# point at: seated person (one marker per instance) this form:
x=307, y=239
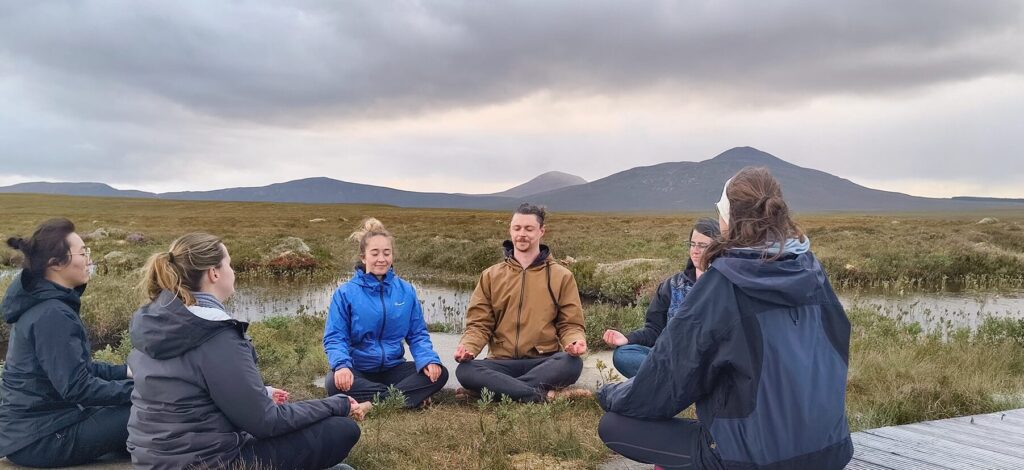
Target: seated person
x=58, y=408
x=525, y=309
x=199, y=400
x=369, y=317
x=761, y=346
x=632, y=348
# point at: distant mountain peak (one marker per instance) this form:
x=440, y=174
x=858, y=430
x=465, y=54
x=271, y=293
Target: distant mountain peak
x=545, y=182
x=748, y=156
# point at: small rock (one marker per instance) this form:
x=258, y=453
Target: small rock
x=895, y=222
x=988, y=221
x=288, y=246
x=135, y=237
x=98, y=234
x=120, y=259
x=317, y=220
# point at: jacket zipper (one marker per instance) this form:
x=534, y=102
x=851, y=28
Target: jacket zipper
x=519, y=314
x=383, y=323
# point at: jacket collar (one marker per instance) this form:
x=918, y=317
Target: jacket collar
x=541, y=259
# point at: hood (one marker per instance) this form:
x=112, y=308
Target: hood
x=26, y=292
x=509, y=248
x=788, y=281
x=369, y=281
x=165, y=328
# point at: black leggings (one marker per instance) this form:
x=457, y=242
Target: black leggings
x=103, y=432
x=320, y=445
x=668, y=443
x=525, y=380
x=415, y=385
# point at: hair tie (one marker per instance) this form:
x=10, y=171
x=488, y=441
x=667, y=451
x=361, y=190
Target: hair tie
x=170, y=256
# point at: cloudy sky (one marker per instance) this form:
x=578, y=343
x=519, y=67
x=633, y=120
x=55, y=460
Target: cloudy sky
x=919, y=96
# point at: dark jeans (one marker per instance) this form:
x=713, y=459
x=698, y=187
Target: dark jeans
x=669, y=443
x=525, y=380
x=414, y=384
x=321, y=445
x=103, y=432
x=627, y=359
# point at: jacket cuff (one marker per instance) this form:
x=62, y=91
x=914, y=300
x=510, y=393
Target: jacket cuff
x=343, y=407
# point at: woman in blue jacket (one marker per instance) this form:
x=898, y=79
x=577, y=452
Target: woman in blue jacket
x=761, y=346
x=369, y=317
x=57, y=407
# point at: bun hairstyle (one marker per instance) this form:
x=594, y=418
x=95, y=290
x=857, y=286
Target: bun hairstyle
x=181, y=268
x=370, y=228
x=47, y=247
x=758, y=216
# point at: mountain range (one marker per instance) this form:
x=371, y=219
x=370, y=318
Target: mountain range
x=674, y=186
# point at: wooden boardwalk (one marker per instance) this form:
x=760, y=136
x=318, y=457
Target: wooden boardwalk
x=994, y=441
x=990, y=441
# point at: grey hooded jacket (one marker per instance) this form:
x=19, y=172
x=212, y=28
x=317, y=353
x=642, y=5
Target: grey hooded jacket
x=198, y=396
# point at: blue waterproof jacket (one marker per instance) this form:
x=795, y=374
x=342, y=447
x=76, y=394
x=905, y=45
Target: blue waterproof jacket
x=762, y=348
x=368, y=320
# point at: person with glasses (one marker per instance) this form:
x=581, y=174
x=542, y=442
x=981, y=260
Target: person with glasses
x=57, y=407
x=761, y=347
x=632, y=348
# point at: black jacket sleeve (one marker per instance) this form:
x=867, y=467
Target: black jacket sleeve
x=686, y=359
x=657, y=316
x=62, y=351
x=109, y=371
x=236, y=387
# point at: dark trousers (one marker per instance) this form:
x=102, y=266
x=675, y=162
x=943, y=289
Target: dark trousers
x=415, y=385
x=103, y=432
x=669, y=443
x=524, y=380
x=321, y=445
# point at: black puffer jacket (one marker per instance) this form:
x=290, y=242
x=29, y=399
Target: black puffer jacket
x=199, y=396
x=50, y=381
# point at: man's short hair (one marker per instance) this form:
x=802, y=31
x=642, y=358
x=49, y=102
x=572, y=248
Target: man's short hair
x=527, y=208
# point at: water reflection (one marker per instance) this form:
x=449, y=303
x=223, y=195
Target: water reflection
x=256, y=300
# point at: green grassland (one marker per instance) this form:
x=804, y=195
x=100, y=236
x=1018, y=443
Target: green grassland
x=898, y=373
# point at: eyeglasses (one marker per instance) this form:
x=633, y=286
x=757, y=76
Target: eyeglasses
x=700, y=246
x=86, y=252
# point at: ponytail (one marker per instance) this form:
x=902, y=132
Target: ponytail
x=370, y=228
x=181, y=268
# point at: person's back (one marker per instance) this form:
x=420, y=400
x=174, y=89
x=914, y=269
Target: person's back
x=761, y=346
x=783, y=342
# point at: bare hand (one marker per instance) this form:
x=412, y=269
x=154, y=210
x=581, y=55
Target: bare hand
x=343, y=379
x=462, y=355
x=358, y=411
x=614, y=338
x=577, y=348
x=279, y=396
x=433, y=372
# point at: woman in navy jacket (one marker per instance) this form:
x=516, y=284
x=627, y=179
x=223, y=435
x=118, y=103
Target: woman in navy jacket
x=57, y=407
x=369, y=318
x=761, y=345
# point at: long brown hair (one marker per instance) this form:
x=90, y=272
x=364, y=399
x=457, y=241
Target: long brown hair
x=758, y=216
x=181, y=268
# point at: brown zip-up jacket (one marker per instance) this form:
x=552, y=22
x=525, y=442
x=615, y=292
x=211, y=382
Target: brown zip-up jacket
x=513, y=310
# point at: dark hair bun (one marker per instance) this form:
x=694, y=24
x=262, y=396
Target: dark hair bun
x=16, y=242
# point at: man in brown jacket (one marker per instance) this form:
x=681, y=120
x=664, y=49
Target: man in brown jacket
x=526, y=310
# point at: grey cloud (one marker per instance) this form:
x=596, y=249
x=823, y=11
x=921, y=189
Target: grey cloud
x=291, y=62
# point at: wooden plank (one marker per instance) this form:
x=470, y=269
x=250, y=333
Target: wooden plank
x=862, y=465
x=942, y=445
x=979, y=432
x=994, y=425
x=889, y=460
x=922, y=453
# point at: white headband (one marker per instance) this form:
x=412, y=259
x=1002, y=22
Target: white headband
x=723, y=204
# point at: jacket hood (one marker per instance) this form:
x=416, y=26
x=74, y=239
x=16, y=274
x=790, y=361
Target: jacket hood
x=789, y=281
x=510, y=248
x=26, y=292
x=165, y=328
